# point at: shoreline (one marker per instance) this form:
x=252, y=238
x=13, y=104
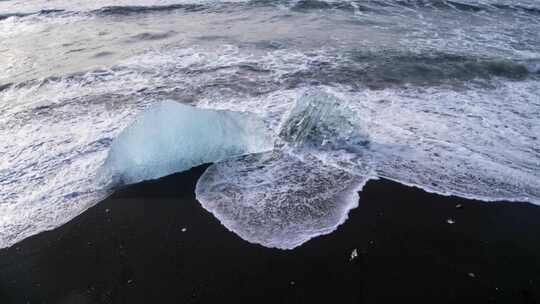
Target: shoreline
x=153, y=242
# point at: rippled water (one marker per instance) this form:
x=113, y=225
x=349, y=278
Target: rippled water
x=448, y=92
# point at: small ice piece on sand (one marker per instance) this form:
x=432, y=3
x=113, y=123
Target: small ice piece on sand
x=184, y=229
x=472, y=275
x=354, y=255
x=278, y=199
x=459, y=206
x=450, y=221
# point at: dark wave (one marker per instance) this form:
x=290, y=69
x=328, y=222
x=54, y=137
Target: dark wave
x=39, y=13
x=357, y=69
x=449, y=4
x=435, y=4
x=8, y=15
x=5, y=86
x=151, y=36
x=385, y=70
x=116, y=10
x=130, y=10
x=518, y=8
x=320, y=5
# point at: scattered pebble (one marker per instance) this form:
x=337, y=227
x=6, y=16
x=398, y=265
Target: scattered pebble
x=354, y=255
x=130, y=281
x=459, y=206
x=184, y=229
x=107, y=210
x=450, y=221
x=472, y=275
x=292, y=283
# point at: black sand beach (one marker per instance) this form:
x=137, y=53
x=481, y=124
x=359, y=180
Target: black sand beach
x=153, y=243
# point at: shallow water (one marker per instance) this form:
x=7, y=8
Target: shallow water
x=447, y=92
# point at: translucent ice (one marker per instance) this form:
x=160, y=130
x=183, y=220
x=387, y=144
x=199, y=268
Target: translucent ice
x=327, y=128
x=322, y=121
x=277, y=199
x=172, y=137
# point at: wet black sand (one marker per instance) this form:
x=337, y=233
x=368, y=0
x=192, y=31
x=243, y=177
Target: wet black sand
x=131, y=249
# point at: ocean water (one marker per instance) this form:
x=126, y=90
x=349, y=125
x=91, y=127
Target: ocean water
x=442, y=95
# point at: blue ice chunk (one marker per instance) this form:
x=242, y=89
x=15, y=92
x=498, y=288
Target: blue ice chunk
x=323, y=122
x=172, y=137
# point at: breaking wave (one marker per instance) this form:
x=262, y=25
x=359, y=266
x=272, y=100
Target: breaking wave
x=355, y=68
